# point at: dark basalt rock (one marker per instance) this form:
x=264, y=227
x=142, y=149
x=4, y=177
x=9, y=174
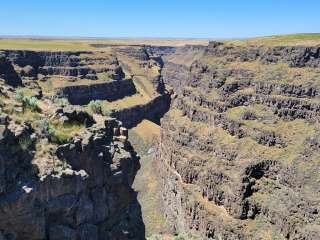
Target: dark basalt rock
x=83, y=94
x=295, y=56
x=228, y=169
x=73, y=115
x=153, y=111
x=23, y=58
x=90, y=198
x=8, y=73
x=268, y=138
x=298, y=56
x=62, y=64
x=67, y=71
x=139, y=53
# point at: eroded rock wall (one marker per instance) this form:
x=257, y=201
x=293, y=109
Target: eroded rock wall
x=88, y=197
x=153, y=111
x=111, y=91
x=236, y=145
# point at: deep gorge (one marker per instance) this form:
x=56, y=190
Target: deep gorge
x=237, y=156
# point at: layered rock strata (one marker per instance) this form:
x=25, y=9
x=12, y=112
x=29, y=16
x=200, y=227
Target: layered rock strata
x=153, y=111
x=110, y=91
x=239, y=149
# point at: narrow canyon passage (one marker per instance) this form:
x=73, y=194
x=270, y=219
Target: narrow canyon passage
x=144, y=139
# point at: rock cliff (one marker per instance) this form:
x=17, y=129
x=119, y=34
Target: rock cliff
x=153, y=111
x=239, y=149
x=64, y=174
x=67, y=170
x=85, y=194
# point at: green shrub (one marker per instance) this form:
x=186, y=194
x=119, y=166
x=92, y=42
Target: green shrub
x=52, y=133
x=60, y=137
x=31, y=103
x=27, y=101
x=61, y=102
x=20, y=95
x=95, y=106
x=45, y=126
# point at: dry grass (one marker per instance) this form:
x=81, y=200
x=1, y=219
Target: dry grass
x=294, y=133
x=56, y=81
x=43, y=156
x=260, y=228
x=148, y=131
x=146, y=183
x=45, y=45
x=279, y=72
x=142, y=74
x=282, y=40
x=85, y=44
x=126, y=102
x=144, y=86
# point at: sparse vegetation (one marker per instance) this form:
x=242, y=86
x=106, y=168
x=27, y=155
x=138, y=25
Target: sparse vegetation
x=61, y=101
x=59, y=132
x=27, y=101
x=224, y=144
x=306, y=39
x=81, y=45
x=95, y=106
x=100, y=107
x=31, y=102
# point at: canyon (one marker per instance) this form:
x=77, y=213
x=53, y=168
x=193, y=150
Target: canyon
x=217, y=141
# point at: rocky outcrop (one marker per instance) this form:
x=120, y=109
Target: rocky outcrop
x=8, y=73
x=89, y=196
x=36, y=59
x=153, y=111
x=72, y=115
x=67, y=71
x=83, y=94
x=138, y=52
x=73, y=64
x=294, y=56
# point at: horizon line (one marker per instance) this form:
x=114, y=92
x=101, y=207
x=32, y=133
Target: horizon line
x=49, y=37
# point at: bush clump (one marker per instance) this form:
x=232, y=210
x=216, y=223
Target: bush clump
x=95, y=106
x=52, y=133
x=61, y=102
x=27, y=101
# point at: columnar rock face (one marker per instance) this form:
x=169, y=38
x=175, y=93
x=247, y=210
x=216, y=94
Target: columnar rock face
x=111, y=91
x=153, y=111
x=65, y=63
x=8, y=73
x=57, y=70
x=239, y=149
x=75, y=188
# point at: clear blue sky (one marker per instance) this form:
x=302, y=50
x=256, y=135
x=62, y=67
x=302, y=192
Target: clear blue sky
x=158, y=18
